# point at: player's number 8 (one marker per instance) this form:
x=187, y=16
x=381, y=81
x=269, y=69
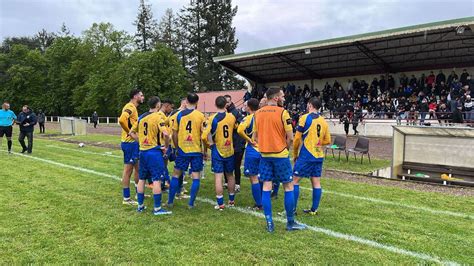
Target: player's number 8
x=226, y=131
x=145, y=125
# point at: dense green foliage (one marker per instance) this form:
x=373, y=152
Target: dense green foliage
x=77, y=75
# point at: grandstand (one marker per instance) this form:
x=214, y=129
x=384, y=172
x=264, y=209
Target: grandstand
x=383, y=73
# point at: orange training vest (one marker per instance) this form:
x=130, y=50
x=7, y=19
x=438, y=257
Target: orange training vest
x=270, y=129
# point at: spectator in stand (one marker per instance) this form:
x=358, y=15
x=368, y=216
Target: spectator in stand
x=440, y=77
x=463, y=78
x=469, y=109
x=95, y=119
x=443, y=114
x=41, y=120
x=424, y=109
x=457, y=115
x=432, y=109
x=431, y=79
x=453, y=77
x=27, y=121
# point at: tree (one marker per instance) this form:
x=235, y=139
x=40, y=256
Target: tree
x=167, y=30
x=145, y=37
x=45, y=39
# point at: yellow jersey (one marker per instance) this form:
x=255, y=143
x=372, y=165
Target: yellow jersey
x=271, y=125
x=312, y=133
x=170, y=122
x=127, y=119
x=246, y=130
x=221, y=127
x=150, y=127
x=189, y=125
x=165, y=119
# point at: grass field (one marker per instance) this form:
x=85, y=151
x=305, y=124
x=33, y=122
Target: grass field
x=63, y=204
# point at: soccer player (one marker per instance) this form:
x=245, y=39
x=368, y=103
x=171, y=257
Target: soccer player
x=246, y=130
x=219, y=136
x=129, y=146
x=7, y=118
x=274, y=133
x=312, y=134
x=165, y=110
x=187, y=132
x=171, y=153
x=147, y=131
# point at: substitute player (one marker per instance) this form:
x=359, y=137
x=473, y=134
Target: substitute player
x=129, y=146
x=246, y=130
x=7, y=118
x=220, y=139
x=147, y=132
x=187, y=132
x=274, y=134
x=312, y=133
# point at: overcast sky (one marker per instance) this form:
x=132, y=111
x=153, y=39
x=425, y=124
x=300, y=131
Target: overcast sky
x=260, y=23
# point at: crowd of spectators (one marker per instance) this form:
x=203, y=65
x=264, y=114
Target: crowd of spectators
x=414, y=99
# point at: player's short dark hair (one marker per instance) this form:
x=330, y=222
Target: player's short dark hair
x=315, y=102
x=272, y=92
x=221, y=102
x=192, y=98
x=153, y=101
x=134, y=92
x=167, y=101
x=228, y=96
x=253, y=104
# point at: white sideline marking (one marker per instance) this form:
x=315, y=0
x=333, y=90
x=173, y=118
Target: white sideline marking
x=397, y=204
x=328, y=232
x=87, y=152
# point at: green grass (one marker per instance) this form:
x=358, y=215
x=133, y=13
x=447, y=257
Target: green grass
x=61, y=215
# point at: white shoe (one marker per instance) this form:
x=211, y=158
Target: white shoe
x=237, y=188
x=129, y=202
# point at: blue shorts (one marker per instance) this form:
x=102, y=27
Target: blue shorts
x=183, y=161
x=152, y=165
x=171, y=154
x=223, y=165
x=131, y=152
x=275, y=169
x=304, y=168
x=251, y=165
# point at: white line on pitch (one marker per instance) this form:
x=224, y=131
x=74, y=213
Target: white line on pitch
x=87, y=152
x=325, y=231
x=397, y=204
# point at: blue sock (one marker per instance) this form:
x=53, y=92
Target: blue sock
x=231, y=197
x=194, y=191
x=167, y=175
x=126, y=192
x=173, y=189
x=317, y=193
x=290, y=206
x=140, y=198
x=296, y=191
x=261, y=187
x=267, y=206
x=157, y=199
x=257, y=194
x=220, y=200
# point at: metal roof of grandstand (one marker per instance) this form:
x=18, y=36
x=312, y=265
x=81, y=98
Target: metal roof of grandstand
x=443, y=44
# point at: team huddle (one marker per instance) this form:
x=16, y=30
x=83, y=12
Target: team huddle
x=184, y=136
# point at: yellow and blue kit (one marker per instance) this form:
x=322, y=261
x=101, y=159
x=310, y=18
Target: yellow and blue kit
x=246, y=130
x=312, y=133
x=189, y=126
x=221, y=127
x=150, y=127
x=129, y=146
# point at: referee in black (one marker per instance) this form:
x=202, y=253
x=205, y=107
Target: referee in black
x=7, y=118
